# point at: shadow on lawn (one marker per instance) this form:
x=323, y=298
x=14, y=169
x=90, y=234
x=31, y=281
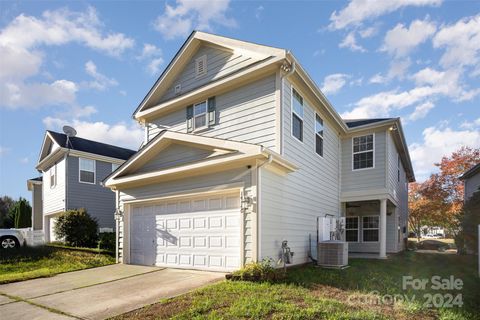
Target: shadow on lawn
x=385, y=277
x=26, y=254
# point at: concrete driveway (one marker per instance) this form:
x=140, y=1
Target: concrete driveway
x=97, y=293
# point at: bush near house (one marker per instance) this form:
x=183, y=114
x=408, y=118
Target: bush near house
x=107, y=241
x=77, y=228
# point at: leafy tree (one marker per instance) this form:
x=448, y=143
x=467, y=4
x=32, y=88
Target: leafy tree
x=77, y=228
x=23, y=214
x=6, y=203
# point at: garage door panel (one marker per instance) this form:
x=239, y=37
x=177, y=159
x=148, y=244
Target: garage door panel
x=202, y=233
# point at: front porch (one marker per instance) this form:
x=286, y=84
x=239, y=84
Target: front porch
x=372, y=228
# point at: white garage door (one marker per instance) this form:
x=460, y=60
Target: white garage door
x=196, y=233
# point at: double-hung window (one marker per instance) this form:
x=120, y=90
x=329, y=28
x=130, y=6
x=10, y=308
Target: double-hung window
x=363, y=152
x=318, y=135
x=370, y=228
x=351, y=229
x=86, y=170
x=53, y=176
x=297, y=115
x=200, y=115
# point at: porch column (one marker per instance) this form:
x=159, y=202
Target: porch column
x=383, y=229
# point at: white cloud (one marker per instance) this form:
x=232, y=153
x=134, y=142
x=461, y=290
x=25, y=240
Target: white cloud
x=20, y=48
x=471, y=124
x=3, y=151
x=24, y=160
x=431, y=84
x=180, y=19
x=334, y=82
x=461, y=42
x=400, y=40
x=100, y=82
x=258, y=12
x=22, y=95
x=437, y=142
x=421, y=111
x=351, y=42
x=358, y=11
x=120, y=134
x=154, y=55
x=377, y=78
x=368, y=32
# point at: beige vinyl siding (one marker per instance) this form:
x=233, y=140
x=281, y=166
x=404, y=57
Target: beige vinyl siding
x=219, y=64
x=472, y=185
x=54, y=198
x=371, y=178
x=245, y=114
x=174, y=155
x=37, y=207
x=290, y=204
x=215, y=182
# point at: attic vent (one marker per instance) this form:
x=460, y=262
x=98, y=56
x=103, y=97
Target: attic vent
x=178, y=89
x=201, y=66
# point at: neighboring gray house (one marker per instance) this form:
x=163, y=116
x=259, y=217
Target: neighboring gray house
x=243, y=151
x=71, y=175
x=471, y=181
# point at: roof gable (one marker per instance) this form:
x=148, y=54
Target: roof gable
x=227, y=56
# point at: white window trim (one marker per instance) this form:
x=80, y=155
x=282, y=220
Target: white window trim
x=54, y=170
x=316, y=134
x=94, y=171
x=292, y=111
x=195, y=129
x=378, y=229
x=205, y=71
x=358, y=229
x=373, y=150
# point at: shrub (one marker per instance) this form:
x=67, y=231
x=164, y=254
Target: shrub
x=107, y=241
x=258, y=271
x=468, y=237
x=77, y=228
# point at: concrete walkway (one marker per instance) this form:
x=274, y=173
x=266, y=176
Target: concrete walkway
x=97, y=293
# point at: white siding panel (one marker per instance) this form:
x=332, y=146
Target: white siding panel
x=54, y=197
x=290, y=204
x=245, y=114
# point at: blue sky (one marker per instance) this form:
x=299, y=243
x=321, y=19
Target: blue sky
x=89, y=64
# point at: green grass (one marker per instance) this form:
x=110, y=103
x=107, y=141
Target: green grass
x=37, y=262
x=314, y=293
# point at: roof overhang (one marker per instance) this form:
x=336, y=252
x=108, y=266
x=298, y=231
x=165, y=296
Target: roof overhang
x=264, y=55
x=471, y=172
x=235, y=154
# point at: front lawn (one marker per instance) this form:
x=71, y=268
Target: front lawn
x=37, y=262
x=314, y=293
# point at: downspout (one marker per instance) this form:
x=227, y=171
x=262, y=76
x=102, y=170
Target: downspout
x=66, y=180
x=259, y=201
x=117, y=225
x=285, y=76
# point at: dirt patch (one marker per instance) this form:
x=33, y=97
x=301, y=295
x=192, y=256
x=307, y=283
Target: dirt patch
x=360, y=301
x=164, y=310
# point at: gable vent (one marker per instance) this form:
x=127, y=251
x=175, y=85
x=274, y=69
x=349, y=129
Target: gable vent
x=201, y=66
x=178, y=89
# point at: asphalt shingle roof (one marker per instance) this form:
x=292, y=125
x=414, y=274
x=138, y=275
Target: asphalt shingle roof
x=85, y=145
x=362, y=122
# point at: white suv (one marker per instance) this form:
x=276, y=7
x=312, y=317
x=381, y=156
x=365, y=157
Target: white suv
x=11, y=238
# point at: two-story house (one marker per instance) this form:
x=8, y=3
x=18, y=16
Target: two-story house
x=243, y=151
x=471, y=181
x=72, y=170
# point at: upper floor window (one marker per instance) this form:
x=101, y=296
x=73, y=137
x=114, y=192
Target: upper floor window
x=318, y=135
x=363, y=152
x=115, y=166
x=201, y=66
x=297, y=115
x=86, y=170
x=201, y=115
x=351, y=229
x=53, y=176
x=370, y=228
